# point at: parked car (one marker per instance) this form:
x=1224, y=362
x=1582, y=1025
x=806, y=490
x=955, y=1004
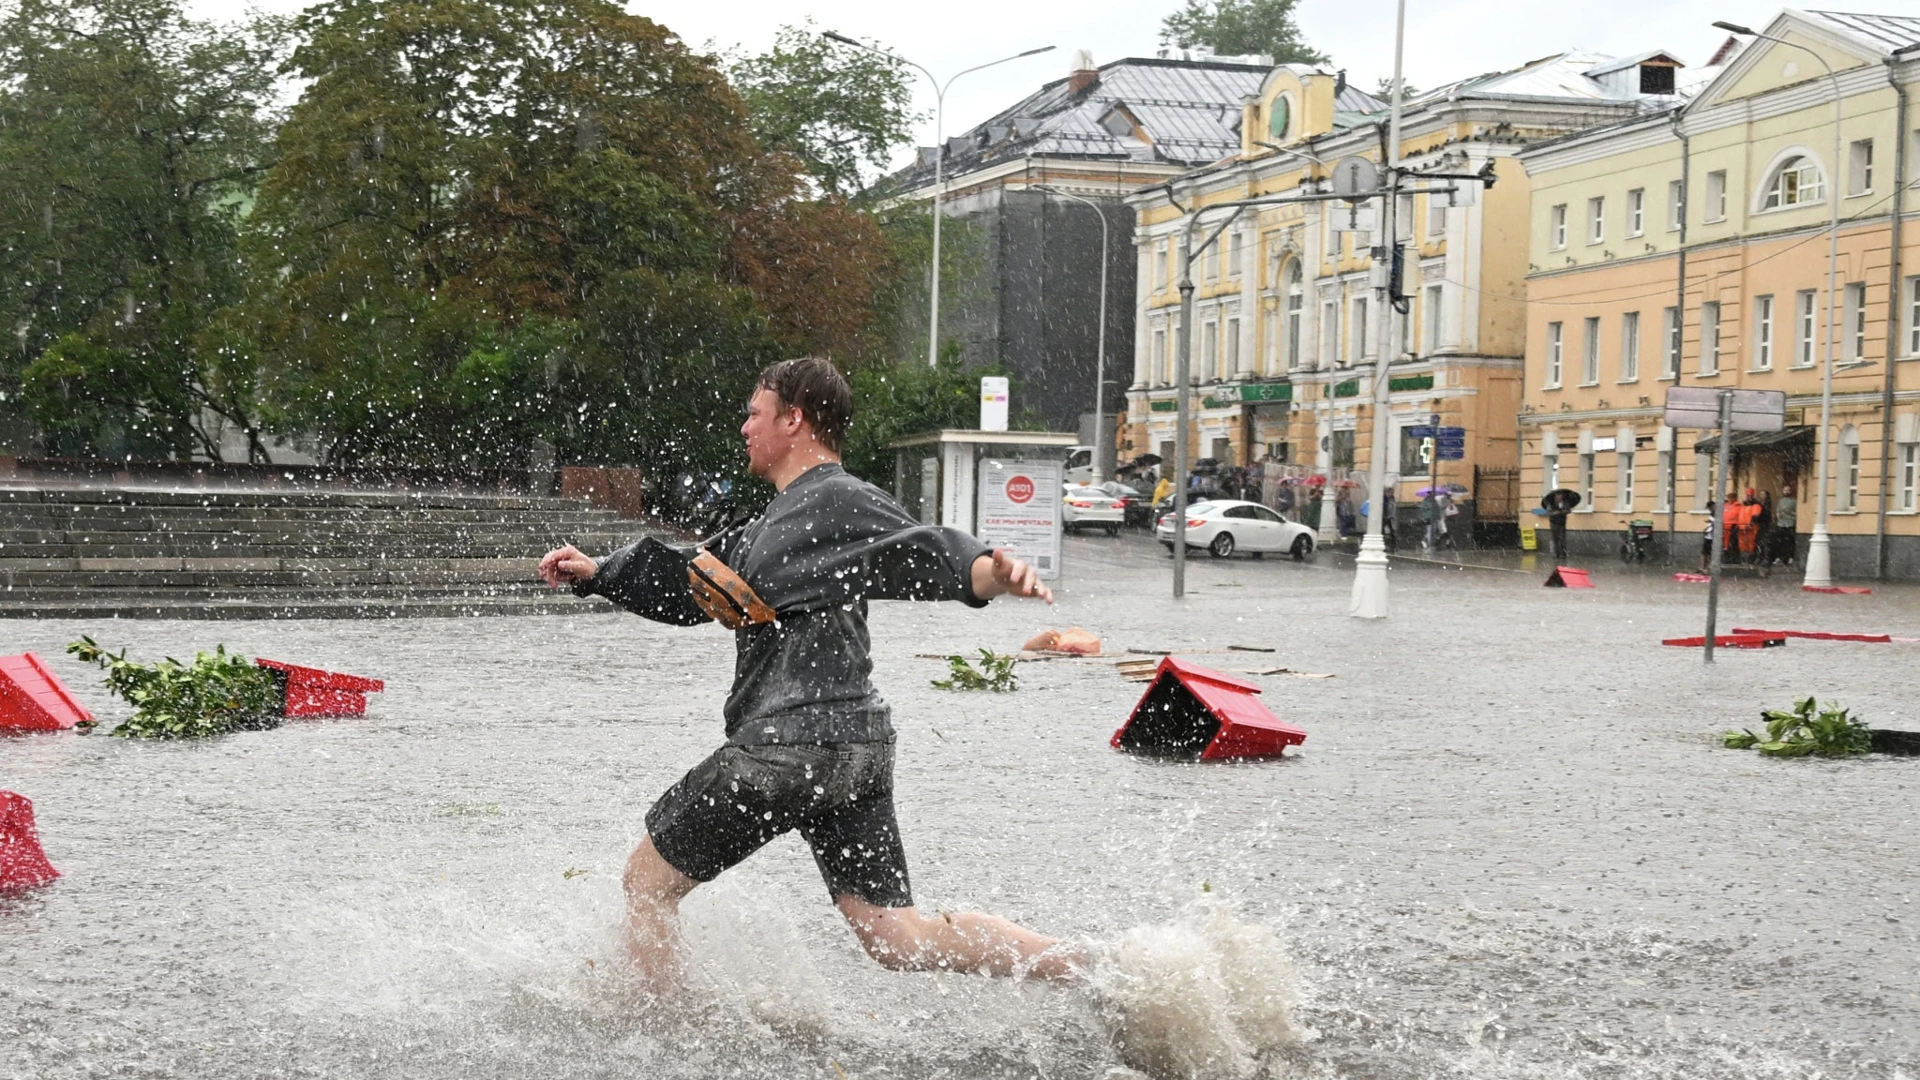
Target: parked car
x=1136, y=507
x=1224, y=526
x=1086, y=507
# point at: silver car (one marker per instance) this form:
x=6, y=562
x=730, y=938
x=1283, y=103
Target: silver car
x=1224, y=526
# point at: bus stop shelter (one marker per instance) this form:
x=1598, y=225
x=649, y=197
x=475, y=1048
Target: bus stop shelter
x=936, y=474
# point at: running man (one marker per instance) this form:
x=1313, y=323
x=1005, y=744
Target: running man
x=809, y=742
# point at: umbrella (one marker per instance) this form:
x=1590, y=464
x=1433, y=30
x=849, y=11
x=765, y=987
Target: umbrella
x=1147, y=459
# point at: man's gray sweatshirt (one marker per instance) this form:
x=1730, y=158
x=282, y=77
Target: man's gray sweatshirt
x=825, y=546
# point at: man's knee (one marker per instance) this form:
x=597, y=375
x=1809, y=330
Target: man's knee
x=651, y=879
x=896, y=938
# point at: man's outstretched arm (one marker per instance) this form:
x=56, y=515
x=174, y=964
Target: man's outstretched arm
x=998, y=573
x=647, y=578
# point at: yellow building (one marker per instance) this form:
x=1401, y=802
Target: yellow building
x=1284, y=337
x=1690, y=249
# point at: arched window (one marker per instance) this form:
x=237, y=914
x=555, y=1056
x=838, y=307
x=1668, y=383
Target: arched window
x=1796, y=182
x=1295, y=313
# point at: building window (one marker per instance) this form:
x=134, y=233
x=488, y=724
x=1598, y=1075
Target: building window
x=1855, y=324
x=1160, y=262
x=1860, y=168
x=1435, y=313
x=1710, y=338
x=1663, y=483
x=1796, y=183
x=1716, y=204
x=1553, y=355
x=1909, y=477
x=1329, y=333
x=1590, y=358
x=1158, y=372
x=1296, y=313
x=1236, y=254
x=1586, y=482
x=1596, y=220
x=1676, y=204
x=1557, y=226
x=1357, y=333
x=1670, y=332
x=1329, y=240
x=1913, y=316
x=1623, y=494
x=1436, y=218
x=1803, y=312
x=1630, y=347
x=1405, y=322
x=1233, y=348
x=1848, y=496
x=1763, y=333
x=1403, y=217
x=1209, y=351
x=1269, y=341
x=1637, y=212
x=1702, y=481
x=1549, y=473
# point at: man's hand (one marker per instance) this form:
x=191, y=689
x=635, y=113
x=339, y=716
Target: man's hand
x=567, y=566
x=1001, y=573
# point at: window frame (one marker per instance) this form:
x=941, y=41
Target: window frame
x=1556, y=343
x=1710, y=343
x=1788, y=186
x=1854, y=320
x=1676, y=205
x=1434, y=296
x=1806, y=321
x=1907, y=499
x=1716, y=200
x=1590, y=351
x=1596, y=220
x=1636, y=212
x=1672, y=345
x=1623, y=494
x=1294, y=306
x=1557, y=227
x=1859, y=168
x=1358, y=310
x=1763, y=333
x=1630, y=347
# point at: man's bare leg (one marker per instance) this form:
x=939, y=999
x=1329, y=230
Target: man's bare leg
x=903, y=939
x=654, y=891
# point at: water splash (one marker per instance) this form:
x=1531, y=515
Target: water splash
x=1203, y=994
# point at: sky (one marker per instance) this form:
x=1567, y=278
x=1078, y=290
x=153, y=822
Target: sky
x=1446, y=39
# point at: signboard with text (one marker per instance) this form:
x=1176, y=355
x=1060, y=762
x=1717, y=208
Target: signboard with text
x=1699, y=407
x=1020, y=510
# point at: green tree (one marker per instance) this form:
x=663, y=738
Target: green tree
x=129, y=139
x=495, y=221
x=841, y=111
x=1239, y=28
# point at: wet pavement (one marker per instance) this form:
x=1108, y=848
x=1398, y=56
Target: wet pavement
x=1511, y=846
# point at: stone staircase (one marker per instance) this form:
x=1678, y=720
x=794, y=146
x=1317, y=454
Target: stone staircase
x=123, y=552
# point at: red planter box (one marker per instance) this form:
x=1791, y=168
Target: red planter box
x=32, y=699
x=309, y=691
x=1200, y=714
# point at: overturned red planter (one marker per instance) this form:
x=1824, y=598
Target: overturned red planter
x=22, y=864
x=32, y=698
x=307, y=691
x=1200, y=714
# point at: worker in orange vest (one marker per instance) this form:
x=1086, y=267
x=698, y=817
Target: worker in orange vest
x=1732, y=517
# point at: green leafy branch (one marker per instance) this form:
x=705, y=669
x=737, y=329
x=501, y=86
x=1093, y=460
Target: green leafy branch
x=995, y=673
x=219, y=692
x=1827, y=731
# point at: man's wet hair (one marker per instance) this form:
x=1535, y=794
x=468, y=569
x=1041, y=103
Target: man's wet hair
x=814, y=386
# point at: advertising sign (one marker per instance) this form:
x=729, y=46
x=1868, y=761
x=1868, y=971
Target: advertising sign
x=993, y=403
x=1020, y=510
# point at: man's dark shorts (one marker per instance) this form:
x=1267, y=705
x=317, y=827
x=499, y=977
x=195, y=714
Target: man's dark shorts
x=839, y=795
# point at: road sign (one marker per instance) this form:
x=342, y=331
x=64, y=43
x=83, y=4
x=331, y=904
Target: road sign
x=1355, y=218
x=1451, y=443
x=1355, y=178
x=1753, y=410
x=1417, y=431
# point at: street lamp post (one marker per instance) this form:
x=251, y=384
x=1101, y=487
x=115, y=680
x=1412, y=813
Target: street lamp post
x=939, y=159
x=1820, y=544
x=1100, y=364
x=1369, y=600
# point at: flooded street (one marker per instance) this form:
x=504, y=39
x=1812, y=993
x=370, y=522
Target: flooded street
x=1510, y=847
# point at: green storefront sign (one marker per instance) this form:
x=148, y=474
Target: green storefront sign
x=1411, y=382
x=1266, y=391
x=1350, y=388
x=1164, y=406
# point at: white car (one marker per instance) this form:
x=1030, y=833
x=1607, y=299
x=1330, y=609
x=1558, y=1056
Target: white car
x=1224, y=526
x=1088, y=507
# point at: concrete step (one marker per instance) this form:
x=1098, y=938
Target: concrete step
x=157, y=497
x=307, y=607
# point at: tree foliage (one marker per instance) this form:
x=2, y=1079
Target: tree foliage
x=841, y=111
x=129, y=135
x=1239, y=28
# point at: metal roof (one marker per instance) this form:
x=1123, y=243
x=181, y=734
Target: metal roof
x=1189, y=111
x=1888, y=32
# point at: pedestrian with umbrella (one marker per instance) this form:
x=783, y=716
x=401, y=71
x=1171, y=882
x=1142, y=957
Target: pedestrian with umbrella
x=1558, y=503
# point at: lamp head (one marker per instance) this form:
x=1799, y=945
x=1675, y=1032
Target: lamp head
x=1734, y=28
x=841, y=38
